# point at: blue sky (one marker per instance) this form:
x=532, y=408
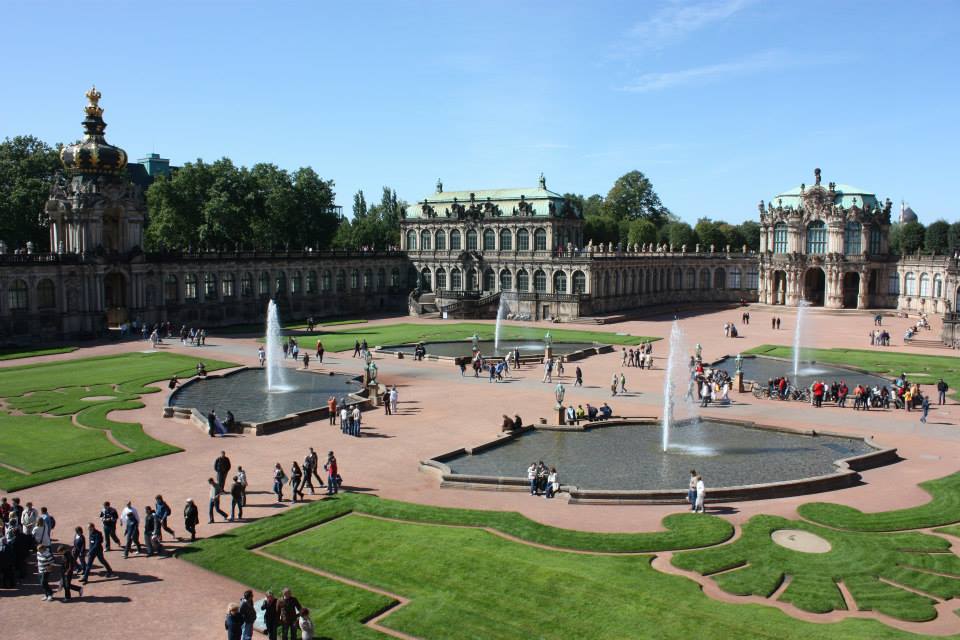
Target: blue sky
x=720, y=102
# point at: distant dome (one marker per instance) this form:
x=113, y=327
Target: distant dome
x=94, y=155
x=907, y=214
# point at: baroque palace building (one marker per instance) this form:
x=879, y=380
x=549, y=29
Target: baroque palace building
x=462, y=254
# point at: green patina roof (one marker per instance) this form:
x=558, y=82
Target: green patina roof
x=529, y=193
x=846, y=196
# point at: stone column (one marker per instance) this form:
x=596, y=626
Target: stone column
x=862, y=302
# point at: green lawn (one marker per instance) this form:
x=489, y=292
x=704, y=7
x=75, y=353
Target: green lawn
x=464, y=582
x=86, y=390
x=404, y=333
x=923, y=369
x=15, y=353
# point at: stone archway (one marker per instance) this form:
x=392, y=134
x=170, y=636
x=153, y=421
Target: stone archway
x=814, y=286
x=851, y=289
x=115, y=298
x=779, y=291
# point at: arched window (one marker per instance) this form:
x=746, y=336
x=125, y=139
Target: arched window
x=368, y=279
x=720, y=278
x=559, y=281
x=523, y=240
x=780, y=237
x=472, y=284
x=46, y=294
x=523, y=280
x=426, y=282
x=704, y=278
x=471, y=240
x=381, y=279
x=606, y=284
x=264, y=283
x=17, y=298
x=456, y=279
x=691, y=279
x=311, y=282
x=924, y=285
x=440, y=276
x=411, y=240
x=816, y=237
x=937, y=286
x=341, y=280
x=296, y=283
x=616, y=283
x=395, y=278
x=424, y=240
x=170, y=289
x=893, y=284
x=489, y=280
x=539, y=281
x=852, y=245
x=733, y=278
x=648, y=281
x=326, y=280
x=506, y=280
x=910, y=284
x=876, y=240
x=678, y=279
x=354, y=279
x=753, y=278
x=227, y=286
x=506, y=240
x=455, y=240
x=440, y=241
x=489, y=240
x=281, y=282
x=579, y=282
x=190, y=287
x=540, y=240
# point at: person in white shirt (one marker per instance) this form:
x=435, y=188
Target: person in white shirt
x=532, y=477
x=701, y=494
x=29, y=518
x=394, y=398
x=356, y=421
x=553, y=483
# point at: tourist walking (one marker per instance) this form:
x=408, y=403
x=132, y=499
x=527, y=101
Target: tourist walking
x=95, y=552
x=131, y=529
x=215, y=493
x=296, y=477
x=623, y=383
x=67, y=572
x=79, y=548
x=614, y=383
x=925, y=407
x=261, y=356
x=45, y=567
x=191, y=518
x=579, y=377
x=242, y=479
x=314, y=464
x=548, y=370
x=333, y=474
x=222, y=466
x=320, y=352
x=355, y=423
x=701, y=495
x=942, y=388
x=163, y=512
x=394, y=399
x=692, y=490
x=332, y=409
x=108, y=518
x=236, y=499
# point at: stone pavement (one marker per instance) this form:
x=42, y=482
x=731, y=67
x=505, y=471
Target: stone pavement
x=439, y=411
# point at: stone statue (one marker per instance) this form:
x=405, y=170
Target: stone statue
x=559, y=392
x=476, y=342
x=547, y=339
x=711, y=248
x=372, y=373
x=739, y=361
x=698, y=247
x=683, y=248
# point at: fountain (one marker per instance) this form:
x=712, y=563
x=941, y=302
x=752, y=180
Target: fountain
x=501, y=311
x=276, y=373
x=797, y=338
x=676, y=378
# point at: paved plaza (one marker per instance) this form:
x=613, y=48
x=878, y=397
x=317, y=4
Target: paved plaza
x=440, y=411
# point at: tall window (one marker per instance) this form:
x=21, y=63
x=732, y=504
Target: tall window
x=472, y=280
x=227, y=286
x=395, y=278
x=851, y=239
x=326, y=280
x=506, y=240
x=704, y=278
x=690, y=279
x=523, y=240
x=780, y=237
x=753, y=278
x=441, y=241
x=937, y=286
x=719, y=278
x=17, y=298
x=876, y=240
x=455, y=240
x=190, y=287
x=924, y=285
x=341, y=280
x=489, y=240
x=170, y=291
x=411, y=240
x=893, y=284
x=246, y=284
x=539, y=281
x=579, y=282
x=311, y=282
x=281, y=282
x=381, y=279
x=910, y=284
x=816, y=237
x=424, y=240
x=368, y=279
x=46, y=298
x=471, y=240
x=523, y=280
x=560, y=282
x=456, y=279
x=677, y=279
x=296, y=283
x=264, y=283
x=540, y=240
x=209, y=286
x=354, y=279
x=425, y=279
x=506, y=280
x=489, y=280
x=441, y=277
x=733, y=278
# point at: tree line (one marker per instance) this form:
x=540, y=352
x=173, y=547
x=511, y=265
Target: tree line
x=937, y=237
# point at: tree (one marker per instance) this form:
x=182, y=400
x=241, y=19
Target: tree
x=377, y=226
x=27, y=166
x=731, y=236
x=911, y=237
x=601, y=229
x=953, y=237
x=632, y=197
x=678, y=234
x=709, y=233
x=359, y=206
x=750, y=230
x=936, y=238
x=641, y=232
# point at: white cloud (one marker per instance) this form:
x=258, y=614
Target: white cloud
x=668, y=79
x=677, y=20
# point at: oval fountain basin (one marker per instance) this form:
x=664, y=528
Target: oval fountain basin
x=761, y=368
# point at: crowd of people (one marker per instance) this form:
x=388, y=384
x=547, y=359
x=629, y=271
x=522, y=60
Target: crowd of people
x=543, y=480
x=708, y=385
x=588, y=413
x=641, y=357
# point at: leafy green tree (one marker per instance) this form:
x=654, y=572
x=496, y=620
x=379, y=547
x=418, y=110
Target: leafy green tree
x=953, y=237
x=893, y=238
x=678, y=234
x=750, y=230
x=314, y=199
x=175, y=206
x=359, y=206
x=377, y=226
x=731, y=236
x=936, y=238
x=709, y=233
x=641, y=232
x=632, y=197
x=27, y=166
x=911, y=237
x=601, y=229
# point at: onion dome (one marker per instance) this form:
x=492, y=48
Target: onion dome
x=94, y=155
x=906, y=213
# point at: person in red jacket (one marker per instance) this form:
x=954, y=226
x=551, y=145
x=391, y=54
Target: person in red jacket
x=818, y=394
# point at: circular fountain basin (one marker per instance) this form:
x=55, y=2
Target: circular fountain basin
x=799, y=540
x=630, y=457
x=245, y=394
x=460, y=348
x=762, y=368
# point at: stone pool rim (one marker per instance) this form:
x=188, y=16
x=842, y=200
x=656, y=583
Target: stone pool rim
x=847, y=473
x=573, y=356
x=266, y=427
x=852, y=370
